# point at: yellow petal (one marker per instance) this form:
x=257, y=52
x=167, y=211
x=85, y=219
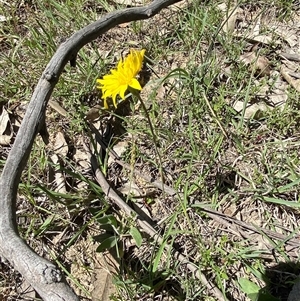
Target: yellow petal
x=123, y=90
x=115, y=102
x=135, y=84
x=105, y=104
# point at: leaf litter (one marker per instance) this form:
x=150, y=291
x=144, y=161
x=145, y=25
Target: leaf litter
x=6, y=132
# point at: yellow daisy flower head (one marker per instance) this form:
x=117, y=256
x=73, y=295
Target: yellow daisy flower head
x=123, y=77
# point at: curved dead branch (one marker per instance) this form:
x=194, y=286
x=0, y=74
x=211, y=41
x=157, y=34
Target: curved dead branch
x=44, y=276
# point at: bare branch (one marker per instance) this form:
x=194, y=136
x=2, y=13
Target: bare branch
x=44, y=277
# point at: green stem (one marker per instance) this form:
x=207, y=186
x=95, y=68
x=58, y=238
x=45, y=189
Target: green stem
x=153, y=135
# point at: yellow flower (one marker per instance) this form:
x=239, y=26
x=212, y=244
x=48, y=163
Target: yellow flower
x=120, y=79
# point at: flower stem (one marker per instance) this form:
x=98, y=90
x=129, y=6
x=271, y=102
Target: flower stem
x=154, y=137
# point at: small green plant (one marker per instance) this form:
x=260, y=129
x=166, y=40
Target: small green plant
x=114, y=233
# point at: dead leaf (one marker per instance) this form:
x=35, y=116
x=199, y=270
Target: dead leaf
x=5, y=139
x=278, y=95
x=60, y=145
x=248, y=58
x=82, y=158
x=59, y=176
x=124, y=25
x=263, y=66
x=155, y=89
x=119, y=149
x=254, y=111
x=260, y=65
x=295, y=74
x=60, y=148
x=263, y=39
x=230, y=20
x=295, y=83
x=105, y=266
x=56, y=106
x=4, y=120
x=291, y=56
x=93, y=113
x=58, y=238
x=256, y=28
x=130, y=188
x=160, y=93
x=286, y=34
x=129, y=2
x=6, y=132
x=254, y=35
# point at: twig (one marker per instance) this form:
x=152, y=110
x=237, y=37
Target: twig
x=295, y=83
x=290, y=56
x=292, y=242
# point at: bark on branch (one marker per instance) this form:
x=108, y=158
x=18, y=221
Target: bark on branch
x=44, y=276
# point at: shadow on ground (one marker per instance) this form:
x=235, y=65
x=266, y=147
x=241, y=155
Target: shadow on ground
x=280, y=280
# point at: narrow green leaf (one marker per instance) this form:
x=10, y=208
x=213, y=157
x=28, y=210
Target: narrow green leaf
x=289, y=186
x=281, y=202
x=108, y=228
x=158, y=256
